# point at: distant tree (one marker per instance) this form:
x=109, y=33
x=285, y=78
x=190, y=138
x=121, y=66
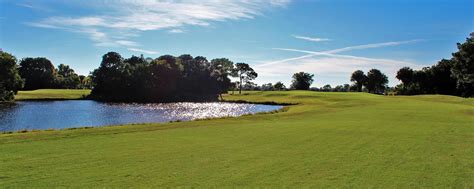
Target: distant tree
x=85, y=82
x=346, y=87
x=279, y=86
x=326, y=88
x=376, y=81
x=38, y=73
x=267, y=87
x=67, y=78
x=359, y=78
x=250, y=86
x=463, y=67
x=341, y=88
x=354, y=88
x=245, y=74
x=10, y=80
x=302, y=81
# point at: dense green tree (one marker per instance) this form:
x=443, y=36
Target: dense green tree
x=245, y=74
x=164, y=79
x=405, y=75
x=10, y=80
x=463, y=67
x=109, y=79
x=222, y=69
x=38, y=73
x=376, y=81
x=67, y=78
x=302, y=81
x=441, y=78
x=359, y=79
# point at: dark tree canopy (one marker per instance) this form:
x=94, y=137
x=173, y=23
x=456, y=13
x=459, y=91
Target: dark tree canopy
x=10, y=80
x=359, y=79
x=405, y=75
x=67, y=78
x=376, y=81
x=302, y=81
x=245, y=74
x=463, y=67
x=450, y=77
x=164, y=79
x=38, y=73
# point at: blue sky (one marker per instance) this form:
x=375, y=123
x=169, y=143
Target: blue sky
x=329, y=38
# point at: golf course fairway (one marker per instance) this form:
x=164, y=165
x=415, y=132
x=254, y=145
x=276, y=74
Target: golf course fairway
x=325, y=140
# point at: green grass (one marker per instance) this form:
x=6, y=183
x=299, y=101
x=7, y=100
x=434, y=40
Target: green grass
x=327, y=140
x=52, y=94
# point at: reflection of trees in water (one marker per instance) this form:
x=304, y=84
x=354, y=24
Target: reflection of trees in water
x=7, y=111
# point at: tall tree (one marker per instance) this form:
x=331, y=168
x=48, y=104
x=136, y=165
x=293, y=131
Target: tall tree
x=245, y=74
x=302, y=81
x=463, y=67
x=109, y=79
x=376, y=81
x=221, y=69
x=359, y=78
x=38, y=73
x=405, y=75
x=441, y=79
x=67, y=78
x=10, y=80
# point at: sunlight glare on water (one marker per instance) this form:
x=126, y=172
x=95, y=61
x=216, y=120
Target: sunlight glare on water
x=80, y=113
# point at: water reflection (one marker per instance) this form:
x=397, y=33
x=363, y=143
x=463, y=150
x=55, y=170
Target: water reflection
x=79, y=113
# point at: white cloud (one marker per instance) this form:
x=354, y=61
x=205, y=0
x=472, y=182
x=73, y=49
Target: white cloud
x=142, y=51
x=143, y=15
x=313, y=39
x=176, y=31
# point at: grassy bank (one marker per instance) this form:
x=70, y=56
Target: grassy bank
x=52, y=94
x=327, y=140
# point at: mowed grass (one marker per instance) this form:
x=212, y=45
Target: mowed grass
x=52, y=94
x=353, y=140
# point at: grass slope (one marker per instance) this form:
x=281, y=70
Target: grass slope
x=52, y=94
x=327, y=140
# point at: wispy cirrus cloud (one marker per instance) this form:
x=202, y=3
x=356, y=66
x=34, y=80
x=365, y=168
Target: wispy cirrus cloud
x=313, y=39
x=330, y=64
x=33, y=6
x=137, y=16
x=142, y=51
x=373, y=45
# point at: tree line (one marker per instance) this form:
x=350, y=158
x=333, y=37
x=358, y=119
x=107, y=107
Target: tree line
x=187, y=78
x=35, y=73
x=453, y=76
x=166, y=78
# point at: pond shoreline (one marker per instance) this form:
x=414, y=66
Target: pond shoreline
x=67, y=114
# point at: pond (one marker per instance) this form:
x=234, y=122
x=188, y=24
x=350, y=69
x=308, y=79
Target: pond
x=41, y=115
